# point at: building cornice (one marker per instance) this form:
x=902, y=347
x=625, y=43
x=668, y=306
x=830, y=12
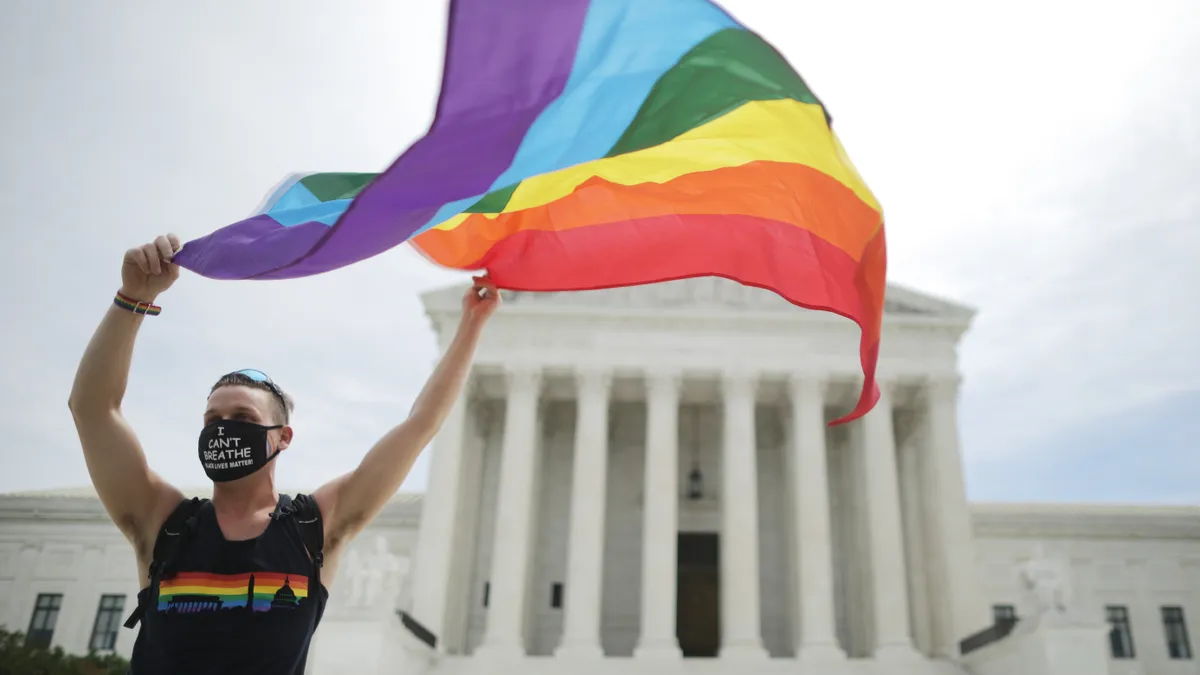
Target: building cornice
x=1085, y=521
x=73, y=507
x=698, y=304
x=703, y=317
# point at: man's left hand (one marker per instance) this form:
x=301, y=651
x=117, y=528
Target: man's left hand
x=351, y=501
x=480, y=301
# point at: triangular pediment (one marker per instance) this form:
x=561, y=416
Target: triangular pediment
x=700, y=293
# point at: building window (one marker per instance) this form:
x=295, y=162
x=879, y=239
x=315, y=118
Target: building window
x=556, y=591
x=1175, y=626
x=1003, y=613
x=487, y=591
x=45, y=616
x=1120, y=635
x=108, y=623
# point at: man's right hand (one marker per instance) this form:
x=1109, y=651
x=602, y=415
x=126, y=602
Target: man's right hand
x=148, y=271
x=136, y=498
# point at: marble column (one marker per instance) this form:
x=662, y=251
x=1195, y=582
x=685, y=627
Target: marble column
x=741, y=624
x=585, y=552
x=888, y=575
x=660, y=527
x=440, y=515
x=815, y=638
x=960, y=608
x=480, y=422
x=910, y=459
x=511, y=554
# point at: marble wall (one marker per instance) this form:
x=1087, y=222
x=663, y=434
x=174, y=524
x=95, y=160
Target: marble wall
x=1141, y=558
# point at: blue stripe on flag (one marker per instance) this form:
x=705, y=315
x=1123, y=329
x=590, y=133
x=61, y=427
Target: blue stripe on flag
x=278, y=191
x=295, y=198
x=625, y=47
x=325, y=213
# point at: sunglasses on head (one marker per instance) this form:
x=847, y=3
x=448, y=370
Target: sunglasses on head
x=260, y=376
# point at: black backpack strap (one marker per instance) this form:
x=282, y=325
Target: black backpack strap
x=174, y=535
x=305, y=516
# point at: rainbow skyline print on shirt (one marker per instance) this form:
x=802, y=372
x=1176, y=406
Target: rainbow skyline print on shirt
x=201, y=592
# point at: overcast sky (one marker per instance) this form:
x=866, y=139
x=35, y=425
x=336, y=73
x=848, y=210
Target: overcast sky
x=1037, y=159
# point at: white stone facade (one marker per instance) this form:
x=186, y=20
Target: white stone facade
x=61, y=542
x=559, y=489
x=1139, y=557
x=589, y=413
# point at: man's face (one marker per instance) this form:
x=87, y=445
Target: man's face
x=247, y=404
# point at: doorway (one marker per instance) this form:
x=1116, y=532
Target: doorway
x=698, y=594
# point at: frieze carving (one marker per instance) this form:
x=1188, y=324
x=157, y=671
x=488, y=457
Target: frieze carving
x=714, y=292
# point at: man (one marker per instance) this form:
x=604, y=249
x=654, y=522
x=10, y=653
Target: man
x=233, y=585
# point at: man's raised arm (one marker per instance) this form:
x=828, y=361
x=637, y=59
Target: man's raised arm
x=134, y=496
x=349, y=502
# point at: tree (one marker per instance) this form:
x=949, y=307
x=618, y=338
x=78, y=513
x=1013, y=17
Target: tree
x=16, y=658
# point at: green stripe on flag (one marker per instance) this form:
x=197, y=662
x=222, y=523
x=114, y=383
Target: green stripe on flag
x=494, y=201
x=328, y=187
x=723, y=72
x=726, y=70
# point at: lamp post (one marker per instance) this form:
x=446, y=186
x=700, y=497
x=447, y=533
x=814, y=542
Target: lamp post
x=695, y=483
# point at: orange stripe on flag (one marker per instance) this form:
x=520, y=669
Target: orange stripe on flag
x=787, y=193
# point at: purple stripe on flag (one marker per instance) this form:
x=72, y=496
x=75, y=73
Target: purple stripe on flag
x=505, y=62
x=255, y=244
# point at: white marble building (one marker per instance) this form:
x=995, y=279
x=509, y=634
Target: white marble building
x=642, y=481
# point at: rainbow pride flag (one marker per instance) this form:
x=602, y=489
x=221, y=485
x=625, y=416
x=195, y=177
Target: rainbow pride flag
x=585, y=144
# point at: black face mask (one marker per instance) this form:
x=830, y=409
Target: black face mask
x=230, y=449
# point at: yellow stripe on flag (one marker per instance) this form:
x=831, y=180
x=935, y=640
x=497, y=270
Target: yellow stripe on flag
x=779, y=131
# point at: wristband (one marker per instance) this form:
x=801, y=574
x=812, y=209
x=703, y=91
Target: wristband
x=136, y=306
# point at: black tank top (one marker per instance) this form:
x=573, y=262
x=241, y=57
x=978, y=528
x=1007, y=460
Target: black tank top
x=232, y=607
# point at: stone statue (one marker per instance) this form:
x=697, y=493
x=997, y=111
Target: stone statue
x=353, y=569
x=384, y=571
x=375, y=579
x=1047, y=585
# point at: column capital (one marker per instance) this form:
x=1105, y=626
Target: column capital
x=889, y=382
x=740, y=381
x=801, y=382
x=664, y=379
x=889, y=388
x=518, y=375
x=593, y=378
x=942, y=384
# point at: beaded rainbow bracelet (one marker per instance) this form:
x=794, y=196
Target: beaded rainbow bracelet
x=136, y=306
